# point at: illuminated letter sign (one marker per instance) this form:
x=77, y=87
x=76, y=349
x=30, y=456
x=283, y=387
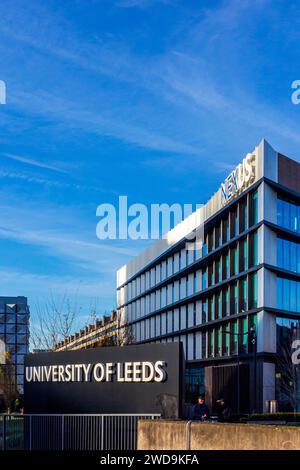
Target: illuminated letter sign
x=140, y=378
x=239, y=179
x=99, y=372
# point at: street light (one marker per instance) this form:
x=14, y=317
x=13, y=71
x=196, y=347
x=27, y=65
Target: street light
x=253, y=341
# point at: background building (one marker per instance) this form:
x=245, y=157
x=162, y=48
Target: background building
x=14, y=335
x=101, y=333
x=242, y=282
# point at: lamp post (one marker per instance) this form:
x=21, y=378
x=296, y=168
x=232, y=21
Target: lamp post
x=253, y=341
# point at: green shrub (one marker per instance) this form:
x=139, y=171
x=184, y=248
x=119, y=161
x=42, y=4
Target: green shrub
x=244, y=420
x=288, y=417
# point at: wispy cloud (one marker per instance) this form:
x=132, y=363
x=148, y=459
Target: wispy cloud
x=92, y=122
x=51, y=183
x=142, y=3
x=18, y=282
x=184, y=104
x=102, y=59
x=184, y=76
x=92, y=255
x=61, y=232
x=32, y=162
x=193, y=76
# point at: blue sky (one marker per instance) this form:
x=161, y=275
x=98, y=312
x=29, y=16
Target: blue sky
x=154, y=99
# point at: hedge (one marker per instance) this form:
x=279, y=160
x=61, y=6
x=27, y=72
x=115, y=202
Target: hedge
x=288, y=417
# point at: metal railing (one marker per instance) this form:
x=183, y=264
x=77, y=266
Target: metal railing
x=11, y=432
x=70, y=431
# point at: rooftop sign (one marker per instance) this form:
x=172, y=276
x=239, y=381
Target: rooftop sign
x=239, y=179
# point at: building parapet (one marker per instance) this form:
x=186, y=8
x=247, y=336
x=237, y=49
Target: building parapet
x=91, y=334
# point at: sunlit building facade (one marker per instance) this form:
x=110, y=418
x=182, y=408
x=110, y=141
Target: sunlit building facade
x=233, y=300
x=102, y=332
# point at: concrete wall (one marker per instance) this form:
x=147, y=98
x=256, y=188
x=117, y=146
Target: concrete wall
x=183, y=435
x=161, y=435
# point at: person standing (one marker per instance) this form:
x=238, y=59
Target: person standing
x=223, y=410
x=201, y=411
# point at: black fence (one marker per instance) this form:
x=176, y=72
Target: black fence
x=70, y=431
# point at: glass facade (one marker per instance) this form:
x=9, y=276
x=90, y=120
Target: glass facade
x=287, y=373
x=288, y=294
x=230, y=338
x=165, y=301
x=253, y=208
x=233, y=262
x=253, y=249
x=288, y=214
x=14, y=333
x=211, y=299
x=253, y=291
x=288, y=255
x=194, y=384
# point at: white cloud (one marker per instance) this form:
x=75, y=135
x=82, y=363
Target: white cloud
x=57, y=108
x=54, y=183
x=183, y=76
x=61, y=232
x=32, y=162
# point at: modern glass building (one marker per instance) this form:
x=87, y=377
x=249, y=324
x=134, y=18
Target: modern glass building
x=14, y=335
x=234, y=300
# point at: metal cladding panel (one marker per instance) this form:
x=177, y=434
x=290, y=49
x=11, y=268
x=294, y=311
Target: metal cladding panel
x=289, y=173
x=112, y=396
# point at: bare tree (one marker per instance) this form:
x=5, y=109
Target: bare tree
x=105, y=340
x=94, y=308
x=122, y=335
x=8, y=382
x=125, y=335
x=55, y=321
x=289, y=374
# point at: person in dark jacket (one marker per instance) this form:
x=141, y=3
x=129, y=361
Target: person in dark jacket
x=223, y=410
x=201, y=411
